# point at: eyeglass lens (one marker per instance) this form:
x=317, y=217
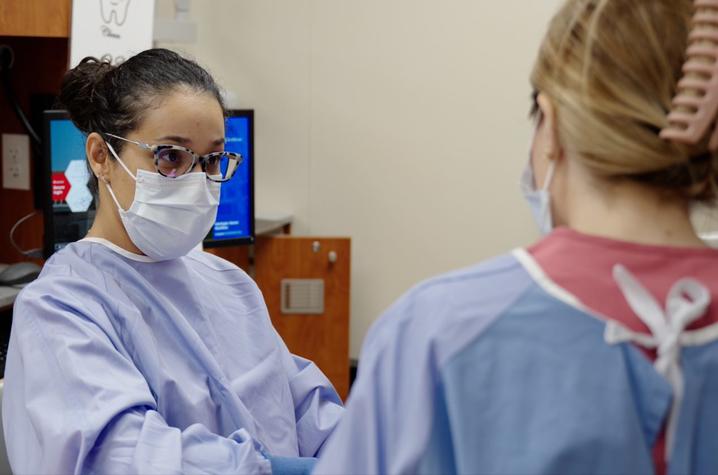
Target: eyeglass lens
x=221, y=164
x=173, y=163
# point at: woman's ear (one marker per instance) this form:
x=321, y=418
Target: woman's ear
x=97, y=156
x=549, y=122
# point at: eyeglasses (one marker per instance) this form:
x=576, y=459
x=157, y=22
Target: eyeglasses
x=173, y=161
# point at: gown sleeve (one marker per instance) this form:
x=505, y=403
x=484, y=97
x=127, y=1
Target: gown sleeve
x=74, y=403
x=317, y=406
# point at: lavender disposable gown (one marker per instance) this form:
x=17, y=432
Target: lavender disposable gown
x=118, y=365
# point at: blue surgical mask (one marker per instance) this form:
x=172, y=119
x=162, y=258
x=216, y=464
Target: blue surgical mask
x=539, y=199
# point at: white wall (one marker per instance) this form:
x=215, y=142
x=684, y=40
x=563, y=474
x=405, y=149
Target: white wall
x=399, y=123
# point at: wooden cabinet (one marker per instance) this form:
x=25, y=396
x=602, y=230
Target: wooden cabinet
x=40, y=18
x=323, y=338
x=37, y=31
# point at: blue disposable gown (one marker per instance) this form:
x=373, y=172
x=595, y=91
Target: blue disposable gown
x=494, y=370
x=117, y=365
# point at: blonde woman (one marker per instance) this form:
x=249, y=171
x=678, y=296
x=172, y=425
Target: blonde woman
x=594, y=350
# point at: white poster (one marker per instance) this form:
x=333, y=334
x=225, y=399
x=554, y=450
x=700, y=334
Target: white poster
x=110, y=29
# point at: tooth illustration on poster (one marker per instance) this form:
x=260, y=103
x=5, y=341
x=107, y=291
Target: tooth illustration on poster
x=113, y=30
x=114, y=11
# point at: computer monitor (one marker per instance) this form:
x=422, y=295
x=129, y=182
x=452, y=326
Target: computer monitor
x=69, y=207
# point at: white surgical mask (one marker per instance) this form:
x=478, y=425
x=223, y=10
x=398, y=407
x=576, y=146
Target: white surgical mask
x=168, y=216
x=539, y=200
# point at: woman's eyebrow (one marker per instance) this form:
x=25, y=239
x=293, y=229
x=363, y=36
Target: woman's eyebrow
x=185, y=141
x=176, y=138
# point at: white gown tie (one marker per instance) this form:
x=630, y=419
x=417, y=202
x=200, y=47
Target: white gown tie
x=687, y=301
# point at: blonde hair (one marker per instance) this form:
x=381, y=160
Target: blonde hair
x=611, y=68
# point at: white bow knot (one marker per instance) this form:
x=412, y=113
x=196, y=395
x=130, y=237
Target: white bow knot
x=687, y=301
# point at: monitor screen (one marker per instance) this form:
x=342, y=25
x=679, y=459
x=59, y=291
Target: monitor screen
x=69, y=206
x=235, y=217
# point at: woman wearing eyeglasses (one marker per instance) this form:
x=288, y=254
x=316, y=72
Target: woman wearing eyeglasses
x=132, y=353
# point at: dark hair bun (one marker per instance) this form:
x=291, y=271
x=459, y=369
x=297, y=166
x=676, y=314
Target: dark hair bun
x=83, y=92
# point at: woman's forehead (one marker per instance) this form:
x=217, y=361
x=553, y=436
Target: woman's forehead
x=194, y=116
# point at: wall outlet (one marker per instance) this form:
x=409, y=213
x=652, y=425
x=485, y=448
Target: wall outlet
x=16, y=161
